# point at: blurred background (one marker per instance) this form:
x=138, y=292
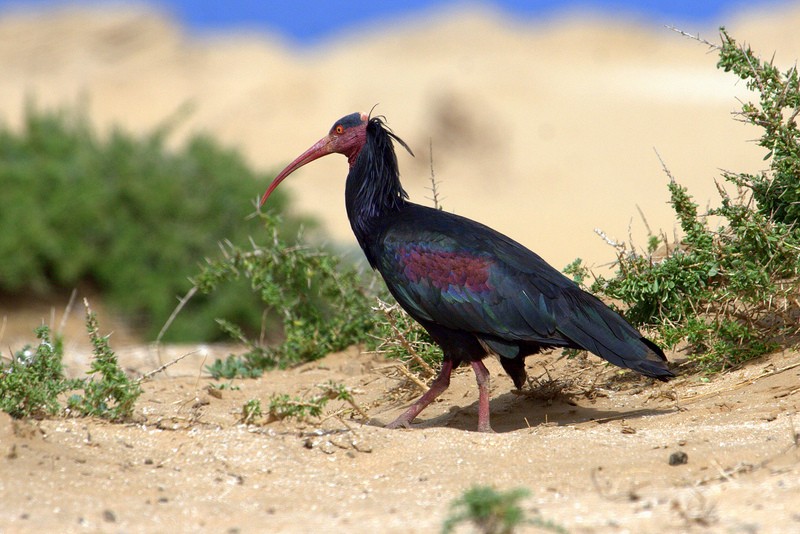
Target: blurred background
x=542, y=117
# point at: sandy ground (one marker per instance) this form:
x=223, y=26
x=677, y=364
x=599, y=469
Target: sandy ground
x=595, y=458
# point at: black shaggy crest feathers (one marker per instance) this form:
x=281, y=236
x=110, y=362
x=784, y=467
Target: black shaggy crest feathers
x=373, y=185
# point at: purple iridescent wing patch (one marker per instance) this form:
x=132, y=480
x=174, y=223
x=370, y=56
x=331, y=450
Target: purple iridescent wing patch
x=445, y=270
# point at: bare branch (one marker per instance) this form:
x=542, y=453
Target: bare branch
x=605, y=237
x=697, y=37
x=67, y=311
x=434, y=188
x=172, y=317
x=644, y=220
x=157, y=370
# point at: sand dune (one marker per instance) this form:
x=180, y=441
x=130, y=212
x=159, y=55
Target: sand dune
x=542, y=130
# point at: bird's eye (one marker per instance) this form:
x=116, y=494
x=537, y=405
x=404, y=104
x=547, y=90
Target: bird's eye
x=339, y=129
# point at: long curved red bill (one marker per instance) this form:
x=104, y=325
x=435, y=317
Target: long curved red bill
x=321, y=148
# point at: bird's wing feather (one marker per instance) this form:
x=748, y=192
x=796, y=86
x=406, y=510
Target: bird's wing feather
x=462, y=275
x=465, y=276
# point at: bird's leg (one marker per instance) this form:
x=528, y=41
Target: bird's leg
x=438, y=386
x=482, y=376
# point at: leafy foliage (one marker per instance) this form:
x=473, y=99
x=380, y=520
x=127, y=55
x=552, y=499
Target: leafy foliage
x=322, y=304
x=777, y=192
x=493, y=512
x=30, y=386
x=399, y=337
x=282, y=406
x=31, y=383
x=109, y=393
x=730, y=292
x=285, y=407
x=123, y=215
x=251, y=410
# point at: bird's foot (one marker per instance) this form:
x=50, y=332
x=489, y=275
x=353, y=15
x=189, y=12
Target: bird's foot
x=485, y=427
x=437, y=387
x=400, y=422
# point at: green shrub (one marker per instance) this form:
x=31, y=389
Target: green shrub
x=729, y=292
x=32, y=383
x=34, y=378
x=108, y=392
x=123, y=215
x=322, y=304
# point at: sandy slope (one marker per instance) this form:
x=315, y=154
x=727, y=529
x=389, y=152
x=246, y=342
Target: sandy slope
x=542, y=130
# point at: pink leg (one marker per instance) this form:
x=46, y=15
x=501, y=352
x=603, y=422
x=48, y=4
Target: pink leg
x=482, y=376
x=437, y=388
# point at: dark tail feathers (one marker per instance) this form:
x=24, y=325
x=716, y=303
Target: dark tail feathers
x=597, y=328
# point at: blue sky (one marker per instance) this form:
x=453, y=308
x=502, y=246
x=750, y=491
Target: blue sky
x=308, y=22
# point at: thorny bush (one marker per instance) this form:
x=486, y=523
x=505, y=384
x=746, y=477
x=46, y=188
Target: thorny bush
x=729, y=293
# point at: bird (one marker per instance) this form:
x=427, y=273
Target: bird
x=476, y=291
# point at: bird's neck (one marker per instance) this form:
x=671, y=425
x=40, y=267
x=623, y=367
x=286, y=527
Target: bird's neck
x=373, y=190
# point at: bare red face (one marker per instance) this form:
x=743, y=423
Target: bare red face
x=347, y=136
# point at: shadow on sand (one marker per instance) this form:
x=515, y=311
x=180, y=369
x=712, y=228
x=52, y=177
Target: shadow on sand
x=512, y=412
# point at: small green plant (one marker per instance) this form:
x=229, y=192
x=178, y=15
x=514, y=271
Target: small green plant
x=577, y=271
x=282, y=406
x=285, y=407
x=230, y=386
x=336, y=391
x=32, y=382
x=109, y=393
x=493, y=512
x=251, y=410
x=729, y=292
x=323, y=305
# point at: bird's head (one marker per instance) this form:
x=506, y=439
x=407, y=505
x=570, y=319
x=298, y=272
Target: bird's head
x=347, y=136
